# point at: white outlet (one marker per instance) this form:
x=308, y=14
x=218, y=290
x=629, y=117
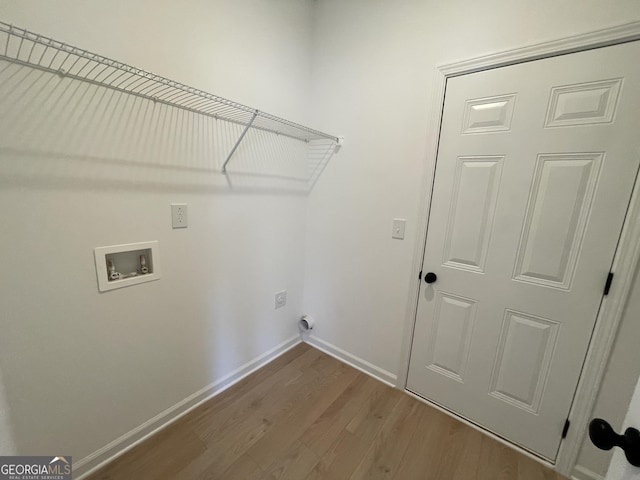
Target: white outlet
x=179, y=215
x=281, y=299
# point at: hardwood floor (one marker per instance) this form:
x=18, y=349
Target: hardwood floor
x=307, y=416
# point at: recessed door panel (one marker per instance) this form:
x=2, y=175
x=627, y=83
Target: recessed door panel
x=473, y=203
x=451, y=335
x=583, y=104
x=556, y=217
x=491, y=114
x=524, y=355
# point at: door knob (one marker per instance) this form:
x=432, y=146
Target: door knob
x=430, y=277
x=603, y=437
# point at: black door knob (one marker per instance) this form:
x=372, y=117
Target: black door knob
x=605, y=438
x=430, y=277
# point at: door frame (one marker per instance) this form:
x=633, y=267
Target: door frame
x=625, y=260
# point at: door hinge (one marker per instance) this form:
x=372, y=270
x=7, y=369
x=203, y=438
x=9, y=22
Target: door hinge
x=567, y=423
x=607, y=285
x=420, y=275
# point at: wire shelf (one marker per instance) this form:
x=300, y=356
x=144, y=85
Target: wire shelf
x=26, y=48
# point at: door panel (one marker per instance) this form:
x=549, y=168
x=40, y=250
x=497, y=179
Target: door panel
x=583, y=104
x=556, y=216
x=473, y=202
x=535, y=169
x=491, y=114
x=526, y=346
x=451, y=335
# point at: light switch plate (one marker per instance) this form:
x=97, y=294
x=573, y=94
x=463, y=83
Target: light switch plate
x=398, y=228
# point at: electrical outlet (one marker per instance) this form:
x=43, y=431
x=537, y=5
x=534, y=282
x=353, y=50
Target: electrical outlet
x=179, y=215
x=281, y=299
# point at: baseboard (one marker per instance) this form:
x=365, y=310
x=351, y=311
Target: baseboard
x=582, y=473
x=350, y=359
x=126, y=442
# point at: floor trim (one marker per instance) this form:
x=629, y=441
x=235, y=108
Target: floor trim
x=126, y=442
x=350, y=359
x=582, y=473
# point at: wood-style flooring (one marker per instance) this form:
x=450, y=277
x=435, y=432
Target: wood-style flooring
x=307, y=416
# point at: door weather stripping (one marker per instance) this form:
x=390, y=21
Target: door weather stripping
x=567, y=423
x=607, y=285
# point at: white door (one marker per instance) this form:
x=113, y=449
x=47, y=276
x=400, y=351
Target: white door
x=535, y=170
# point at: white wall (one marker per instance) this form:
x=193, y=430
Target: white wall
x=81, y=168
x=374, y=62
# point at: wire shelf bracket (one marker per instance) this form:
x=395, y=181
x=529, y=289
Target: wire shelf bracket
x=20, y=46
x=235, y=147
